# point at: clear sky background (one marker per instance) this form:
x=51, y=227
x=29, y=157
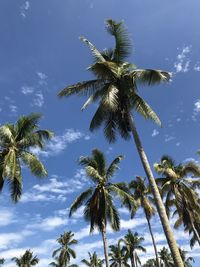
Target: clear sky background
x=40, y=54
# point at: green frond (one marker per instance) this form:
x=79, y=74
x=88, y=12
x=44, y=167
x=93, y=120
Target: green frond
x=150, y=76
x=80, y=200
x=82, y=88
x=113, y=166
x=144, y=109
x=100, y=160
x=97, y=55
x=9, y=164
x=123, y=45
x=34, y=164
x=6, y=135
x=26, y=125
x=93, y=174
x=110, y=99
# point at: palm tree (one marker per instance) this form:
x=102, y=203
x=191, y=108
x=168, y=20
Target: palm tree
x=98, y=200
x=26, y=260
x=141, y=194
x=133, y=244
x=118, y=255
x=179, y=191
x=16, y=140
x=2, y=261
x=115, y=87
x=165, y=258
x=64, y=253
x=150, y=263
x=57, y=263
x=186, y=260
x=94, y=261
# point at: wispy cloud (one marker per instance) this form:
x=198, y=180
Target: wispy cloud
x=60, y=142
x=197, y=67
x=56, y=189
x=38, y=100
x=182, y=62
x=196, y=110
x=27, y=90
x=154, y=133
x=24, y=8
x=169, y=138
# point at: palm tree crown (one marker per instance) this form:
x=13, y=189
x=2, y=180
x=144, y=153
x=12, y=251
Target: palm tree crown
x=26, y=260
x=133, y=243
x=93, y=261
x=178, y=187
x=115, y=85
x=16, y=140
x=98, y=199
x=64, y=252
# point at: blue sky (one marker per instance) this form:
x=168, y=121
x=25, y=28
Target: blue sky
x=40, y=54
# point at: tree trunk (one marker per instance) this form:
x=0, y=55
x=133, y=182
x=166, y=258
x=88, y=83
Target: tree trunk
x=132, y=261
x=159, y=204
x=105, y=244
x=153, y=241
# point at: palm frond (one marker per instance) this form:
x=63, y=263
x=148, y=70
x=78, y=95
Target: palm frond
x=150, y=76
x=82, y=88
x=122, y=41
x=80, y=200
x=34, y=164
x=113, y=166
x=144, y=109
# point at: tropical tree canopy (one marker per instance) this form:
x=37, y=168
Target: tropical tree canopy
x=16, y=141
x=118, y=255
x=64, y=253
x=178, y=186
x=116, y=85
x=93, y=261
x=26, y=260
x=98, y=200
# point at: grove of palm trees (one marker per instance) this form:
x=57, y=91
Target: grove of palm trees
x=109, y=191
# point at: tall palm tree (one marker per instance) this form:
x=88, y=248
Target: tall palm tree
x=165, y=258
x=178, y=186
x=16, y=140
x=115, y=87
x=26, y=260
x=93, y=261
x=133, y=244
x=118, y=255
x=142, y=194
x=98, y=200
x=64, y=253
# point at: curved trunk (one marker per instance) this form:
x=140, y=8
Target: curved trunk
x=105, y=244
x=159, y=204
x=153, y=241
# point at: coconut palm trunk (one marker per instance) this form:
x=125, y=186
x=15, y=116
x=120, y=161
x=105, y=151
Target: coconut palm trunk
x=159, y=204
x=132, y=261
x=153, y=241
x=105, y=244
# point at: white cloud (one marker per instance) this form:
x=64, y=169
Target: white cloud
x=196, y=110
x=169, y=138
x=27, y=90
x=182, y=62
x=8, y=239
x=154, y=133
x=49, y=223
x=59, y=143
x=197, y=67
x=6, y=217
x=55, y=189
x=24, y=8
x=38, y=101
x=42, y=75
x=13, y=108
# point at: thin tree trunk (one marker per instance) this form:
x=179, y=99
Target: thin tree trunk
x=105, y=244
x=153, y=241
x=132, y=261
x=159, y=204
